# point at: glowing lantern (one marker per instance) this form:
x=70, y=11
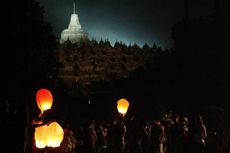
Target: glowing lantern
x=122, y=106
x=44, y=99
x=50, y=135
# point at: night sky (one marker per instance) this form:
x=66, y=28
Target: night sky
x=130, y=21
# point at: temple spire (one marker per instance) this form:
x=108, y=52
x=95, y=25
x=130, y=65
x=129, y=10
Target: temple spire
x=74, y=32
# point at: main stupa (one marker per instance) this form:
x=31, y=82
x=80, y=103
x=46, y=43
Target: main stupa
x=74, y=33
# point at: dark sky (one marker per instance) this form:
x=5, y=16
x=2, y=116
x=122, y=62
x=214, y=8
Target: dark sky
x=130, y=21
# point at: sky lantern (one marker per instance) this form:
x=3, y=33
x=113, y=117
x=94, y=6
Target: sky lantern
x=44, y=99
x=49, y=135
x=40, y=136
x=122, y=106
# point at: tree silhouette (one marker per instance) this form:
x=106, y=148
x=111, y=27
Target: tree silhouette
x=201, y=55
x=26, y=63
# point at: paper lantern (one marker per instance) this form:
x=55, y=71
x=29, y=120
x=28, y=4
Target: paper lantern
x=50, y=135
x=44, y=99
x=122, y=106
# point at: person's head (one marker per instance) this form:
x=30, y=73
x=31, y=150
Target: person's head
x=199, y=120
x=92, y=125
x=100, y=127
x=157, y=122
x=184, y=121
x=176, y=118
x=92, y=122
x=169, y=123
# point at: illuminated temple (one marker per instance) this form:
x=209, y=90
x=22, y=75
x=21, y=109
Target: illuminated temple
x=74, y=32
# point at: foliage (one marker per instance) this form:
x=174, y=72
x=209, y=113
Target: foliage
x=89, y=62
x=201, y=49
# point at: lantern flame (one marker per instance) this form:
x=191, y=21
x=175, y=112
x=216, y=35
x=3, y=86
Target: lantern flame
x=122, y=106
x=44, y=99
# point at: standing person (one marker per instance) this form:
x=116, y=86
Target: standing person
x=101, y=139
x=199, y=134
x=117, y=133
x=145, y=137
x=69, y=143
x=180, y=139
x=91, y=138
x=133, y=136
x=168, y=136
x=156, y=137
x=72, y=140
x=176, y=135
x=185, y=135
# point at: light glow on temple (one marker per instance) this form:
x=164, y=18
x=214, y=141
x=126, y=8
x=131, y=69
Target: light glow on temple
x=74, y=32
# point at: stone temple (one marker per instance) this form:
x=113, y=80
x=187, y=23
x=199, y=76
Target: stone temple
x=74, y=32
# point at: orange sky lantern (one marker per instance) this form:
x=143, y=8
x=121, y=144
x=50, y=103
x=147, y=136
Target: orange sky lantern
x=44, y=99
x=49, y=135
x=46, y=134
x=122, y=106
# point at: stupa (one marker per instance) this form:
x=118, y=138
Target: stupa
x=74, y=32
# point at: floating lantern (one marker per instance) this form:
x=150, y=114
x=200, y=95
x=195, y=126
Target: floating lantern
x=44, y=99
x=49, y=135
x=122, y=106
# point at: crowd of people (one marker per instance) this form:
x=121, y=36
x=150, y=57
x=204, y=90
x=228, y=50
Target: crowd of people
x=179, y=135
x=129, y=134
